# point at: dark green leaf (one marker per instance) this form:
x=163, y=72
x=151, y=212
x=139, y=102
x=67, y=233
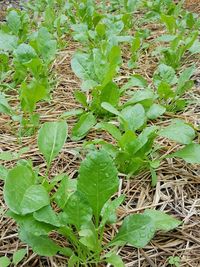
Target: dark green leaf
x=97, y=180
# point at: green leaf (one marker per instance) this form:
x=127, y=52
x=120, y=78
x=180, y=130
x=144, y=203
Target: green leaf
x=25, y=53
x=46, y=45
x=162, y=220
x=7, y=42
x=65, y=189
x=81, y=98
x=88, y=236
x=155, y=111
x=51, y=139
x=4, y=106
x=135, y=81
x=19, y=255
x=47, y=215
x=19, y=179
x=110, y=128
x=190, y=153
x=109, y=210
x=35, y=198
x=13, y=21
x=141, y=95
x=136, y=230
x=110, y=94
x=41, y=245
x=110, y=108
x=3, y=172
x=77, y=211
x=134, y=116
x=4, y=261
x=179, y=131
x=72, y=113
x=165, y=91
x=97, y=180
x=32, y=93
x=115, y=260
x=83, y=126
x=73, y=261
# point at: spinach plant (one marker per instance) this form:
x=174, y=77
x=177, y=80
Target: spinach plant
x=76, y=209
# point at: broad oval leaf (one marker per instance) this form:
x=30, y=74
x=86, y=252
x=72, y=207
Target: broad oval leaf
x=35, y=198
x=47, y=215
x=4, y=261
x=155, y=111
x=51, y=139
x=7, y=42
x=134, y=116
x=115, y=260
x=179, y=131
x=136, y=230
x=82, y=127
x=19, y=179
x=19, y=255
x=97, y=180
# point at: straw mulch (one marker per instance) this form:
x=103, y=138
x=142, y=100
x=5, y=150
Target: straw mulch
x=177, y=191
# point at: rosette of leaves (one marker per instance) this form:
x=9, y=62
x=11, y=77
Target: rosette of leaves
x=79, y=210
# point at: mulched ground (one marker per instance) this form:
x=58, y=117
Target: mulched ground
x=177, y=191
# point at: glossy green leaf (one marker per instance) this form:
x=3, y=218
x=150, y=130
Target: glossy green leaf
x=190, y=153
x=179, y=131
x=136, y=230
x=51, y=139
x=77, y=211
x=19, y=255
x=97, y=180
x=162, y=220
x=83, y=126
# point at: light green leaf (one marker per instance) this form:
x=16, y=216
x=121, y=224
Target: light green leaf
x=19, y=179
x=51, y=139
x=179, y=131
x=190, y=153
x=25, y=53
x=134, y=116
x=47, y=215
x=162, y=220
x=88, y=236
x=14, y=21
x=77, y=211
x=7, y=42
x=136, y=230
x=110, y=108
x=35, y=198
x=4, y=261
x=135, y=81
x=115, y=260
x=41, y=245
x=19, y=255
x=72, y=113
x=110, y=128
x=83, y=126
x=97, y=180
x=3, y=172
x=4, y=106
x=110, y=94
x=155, y=111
